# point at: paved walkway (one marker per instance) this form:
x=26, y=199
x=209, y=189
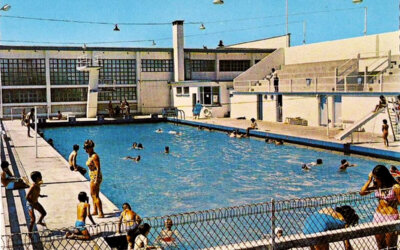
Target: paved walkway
x=60, y=184
x=319, y=133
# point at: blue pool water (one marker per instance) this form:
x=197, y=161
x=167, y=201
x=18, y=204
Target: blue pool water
x=204, y=169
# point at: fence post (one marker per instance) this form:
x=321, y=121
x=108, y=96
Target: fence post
x=336, y=77
x=316, y=84
x=345, y=84
x=291, y=84
x=381, y=81
x=273, y=218
x=365, y=78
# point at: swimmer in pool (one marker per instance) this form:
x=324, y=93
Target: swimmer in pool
x=345, y=164
x=159, y=130
x=166, y=151
x=134, y=145
x=140, y=146
x=318, y=162
x=305, y=167
x=135, y=159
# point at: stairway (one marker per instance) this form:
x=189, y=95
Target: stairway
x=394, y=122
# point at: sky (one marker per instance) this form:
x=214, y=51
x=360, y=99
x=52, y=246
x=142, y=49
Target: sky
x=235, y=21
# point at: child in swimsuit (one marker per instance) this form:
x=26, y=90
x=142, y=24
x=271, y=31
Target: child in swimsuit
x=32, y=197
x=385, y=133
x=83, y=210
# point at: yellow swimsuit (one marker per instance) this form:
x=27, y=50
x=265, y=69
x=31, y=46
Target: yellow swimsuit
x=93, y=172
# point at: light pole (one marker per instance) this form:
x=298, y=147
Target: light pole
x=5, y=7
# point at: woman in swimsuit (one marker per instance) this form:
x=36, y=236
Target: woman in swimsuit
x=387, y=190
x=96, y=177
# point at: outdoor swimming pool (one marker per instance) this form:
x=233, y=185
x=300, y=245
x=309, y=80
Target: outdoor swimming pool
x=204, y=169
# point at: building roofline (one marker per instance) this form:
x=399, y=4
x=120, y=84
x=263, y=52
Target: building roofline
x=71, y=48
x=262, y=39
x=231, y=50
x=132, y=49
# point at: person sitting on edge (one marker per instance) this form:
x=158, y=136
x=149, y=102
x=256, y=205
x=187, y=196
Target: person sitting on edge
x=345, y=164
x=253, y=125
x=136, y=159
x=9, y=181
x=167, y=235
x=382, y=103
x=134, y=145
x=117, y=110
x=72, y=160
x=166, y=151
x=131, y=221
x=59, y=115
x=83, y=210
x=140, y=146
x=32, y=197
x=141, y=241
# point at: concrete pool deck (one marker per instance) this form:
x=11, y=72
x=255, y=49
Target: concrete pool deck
x=363, y=143
x=60, y=184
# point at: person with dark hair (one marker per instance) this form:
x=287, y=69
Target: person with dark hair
x=330, y=219
x=131, y=221
x=9, y=181
x=253, y=125
x=166, y=151
x=141, y=241
x=385, y=133
x=395, y=172
x=96, y=177
x=134, y=145
x=29, y=119
x=135, y=159
x=83, y=210
x=50, y=142
x=59, y=115
x=140, y=146
x=344, y=164
x=387, y=191
x=32, y=197
x=110, y=109
x=382, y=103
x=72, y=160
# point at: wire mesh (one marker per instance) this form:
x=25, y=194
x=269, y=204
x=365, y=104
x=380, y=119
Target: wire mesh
x=285, y=224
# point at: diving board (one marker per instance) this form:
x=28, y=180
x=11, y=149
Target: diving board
x=358, y=124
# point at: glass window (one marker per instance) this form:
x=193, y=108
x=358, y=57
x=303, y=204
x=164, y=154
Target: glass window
x=233, y=65
x=64, y=72
x=69, y=95
x=186, y=90
x=23, y=72
x=24, y=95
x=179, y=90
x=157, y=65
x=118, y=94
x=209, y=96
x=203, y=65
x=117, y=71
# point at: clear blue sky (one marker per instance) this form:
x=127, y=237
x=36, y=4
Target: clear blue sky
x=235, y=21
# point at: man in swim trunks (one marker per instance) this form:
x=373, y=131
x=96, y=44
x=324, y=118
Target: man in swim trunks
x=83, y=210
x=33, y=200
x=131, y=220
x=9, y=181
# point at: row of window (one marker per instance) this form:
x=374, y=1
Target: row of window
x=24, y=95
x=180, y=92
x=118, y=94
x=209, y=96
x=112, y=71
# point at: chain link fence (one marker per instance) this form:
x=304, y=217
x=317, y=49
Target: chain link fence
x=286, y=224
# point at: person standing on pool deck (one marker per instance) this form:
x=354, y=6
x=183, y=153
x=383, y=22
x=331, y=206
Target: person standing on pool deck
x=196, y=110
x=30, y=118
x=385, y=133
x=96, y=177
x=387, y=191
